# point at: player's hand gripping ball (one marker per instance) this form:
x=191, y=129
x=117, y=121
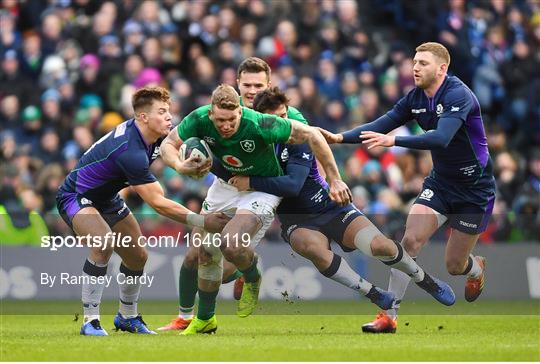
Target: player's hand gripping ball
x=202, y=156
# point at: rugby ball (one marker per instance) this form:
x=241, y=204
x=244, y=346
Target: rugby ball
x=195, y=147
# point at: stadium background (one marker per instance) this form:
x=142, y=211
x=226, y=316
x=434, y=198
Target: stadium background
x=69, y=69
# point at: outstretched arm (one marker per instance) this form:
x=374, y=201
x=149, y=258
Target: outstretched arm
x=288, y=185
x=438, y=138
x=383, y=125
x=153, y=195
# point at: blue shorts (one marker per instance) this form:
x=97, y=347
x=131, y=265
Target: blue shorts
x=70, y=203
x=332, y=223
x=468, y=208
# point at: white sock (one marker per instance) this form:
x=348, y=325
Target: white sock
x=403, y=262
x=341, y=272
x=186, y=313
x=129, y=292
x=476, y=270
x=397, y=285
x=92, y=292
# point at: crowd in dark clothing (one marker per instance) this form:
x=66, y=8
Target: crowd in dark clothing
x=69, y=68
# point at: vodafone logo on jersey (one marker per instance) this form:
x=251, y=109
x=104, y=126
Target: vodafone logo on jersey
x=232, y=160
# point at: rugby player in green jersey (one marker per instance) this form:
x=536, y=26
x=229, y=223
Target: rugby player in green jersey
x=253, y=76
x=243, y=140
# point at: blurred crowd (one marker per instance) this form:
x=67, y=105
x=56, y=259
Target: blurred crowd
x=69, y=68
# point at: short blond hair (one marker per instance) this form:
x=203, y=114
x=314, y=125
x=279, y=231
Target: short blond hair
x=437, y=49
x=225, y=97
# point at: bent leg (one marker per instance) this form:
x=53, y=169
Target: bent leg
x=315, y=246
x=134, y=258
x=458, y=258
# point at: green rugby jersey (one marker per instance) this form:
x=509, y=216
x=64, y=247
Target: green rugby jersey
x=250, y=151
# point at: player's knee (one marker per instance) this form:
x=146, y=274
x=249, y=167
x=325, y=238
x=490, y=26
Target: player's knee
x=304, y=248
x=454, y=267
x=139, y=258
x=191, y=259
x=102, y=255
x=412, y=243
x=383, y=247
x=231, y=253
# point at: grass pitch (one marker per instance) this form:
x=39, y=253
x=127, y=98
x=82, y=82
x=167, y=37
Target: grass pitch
x=282, y=331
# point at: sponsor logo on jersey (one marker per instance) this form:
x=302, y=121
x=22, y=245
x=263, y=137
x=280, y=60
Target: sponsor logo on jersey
x=454, y=108
x=318, y=197
x=305, y=156
x=232, y=160
x=285, y=155
x=85, y=201
x=211, y=141
x=418, y=111
x=156, y=153
x=468, y=224
x=439, y=109
x=426, y=194
x=248, y=145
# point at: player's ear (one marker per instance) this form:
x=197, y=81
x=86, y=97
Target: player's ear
x=443, y=68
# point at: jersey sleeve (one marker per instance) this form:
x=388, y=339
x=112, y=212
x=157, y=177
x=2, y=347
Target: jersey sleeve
x=300, y=154
x=401, y=112
x=188, y=126
x=136, y=168
x=274, y=129
x=457, y=104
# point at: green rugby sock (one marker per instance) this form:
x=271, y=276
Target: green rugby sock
x=187, y=286
x=252, y=274
x=207, y=305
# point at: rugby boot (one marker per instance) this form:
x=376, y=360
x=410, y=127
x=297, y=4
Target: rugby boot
x=474, y=286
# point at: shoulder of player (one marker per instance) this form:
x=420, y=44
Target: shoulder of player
x=456, y=90
x=295, y=114
x=199, y=113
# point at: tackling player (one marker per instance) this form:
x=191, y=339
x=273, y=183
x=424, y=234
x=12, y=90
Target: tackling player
x=461, y=186
x=309, y=219
x=242, y=139
x=89, y=203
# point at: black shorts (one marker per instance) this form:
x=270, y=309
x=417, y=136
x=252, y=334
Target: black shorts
x=331, y=223
x=70, y=203
x=468, y=208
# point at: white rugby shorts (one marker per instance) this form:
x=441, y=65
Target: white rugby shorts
x=223, y=197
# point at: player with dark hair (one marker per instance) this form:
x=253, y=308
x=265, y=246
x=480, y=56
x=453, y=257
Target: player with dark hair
x=89, y=203
x=461, y=186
